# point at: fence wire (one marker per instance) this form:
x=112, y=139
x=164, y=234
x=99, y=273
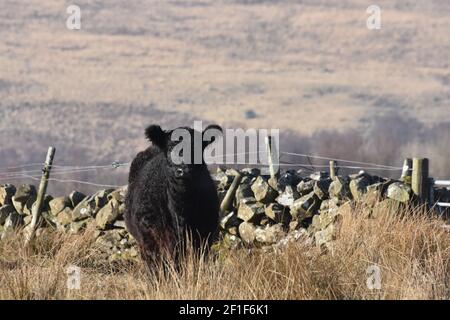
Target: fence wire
x=18, y=172
x=340, y=160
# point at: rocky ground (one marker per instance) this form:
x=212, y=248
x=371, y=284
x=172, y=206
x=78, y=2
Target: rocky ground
x=261, y=212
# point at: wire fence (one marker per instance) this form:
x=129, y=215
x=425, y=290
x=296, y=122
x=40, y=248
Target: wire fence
x=27, y=171
x=58, y=170
x=341, y=160
x=60, y=173
x=75, y=181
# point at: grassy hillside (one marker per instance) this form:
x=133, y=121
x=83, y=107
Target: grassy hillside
x=302, y=66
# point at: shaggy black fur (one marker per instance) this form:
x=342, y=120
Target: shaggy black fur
x=165, y=201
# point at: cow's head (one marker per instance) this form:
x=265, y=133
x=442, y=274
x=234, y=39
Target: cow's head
x=183, y=146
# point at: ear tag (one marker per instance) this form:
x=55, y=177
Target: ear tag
x=179, y=172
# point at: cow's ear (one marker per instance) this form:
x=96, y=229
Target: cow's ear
x=156, y=135
x=211, y=133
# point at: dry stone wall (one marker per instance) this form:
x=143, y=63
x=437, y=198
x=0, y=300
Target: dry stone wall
x=264, y=212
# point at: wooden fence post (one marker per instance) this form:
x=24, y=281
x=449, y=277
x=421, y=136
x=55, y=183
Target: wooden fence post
x=272, y=154
x=431, y=191
x=332, y=169
x=420, y=180
x=36, y=211
x=229, y=197
x=407, y=171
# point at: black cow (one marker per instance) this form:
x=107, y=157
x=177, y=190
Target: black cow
x=167, y=200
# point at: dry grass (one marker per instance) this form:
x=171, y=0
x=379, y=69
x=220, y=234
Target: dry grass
x=412, y=250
